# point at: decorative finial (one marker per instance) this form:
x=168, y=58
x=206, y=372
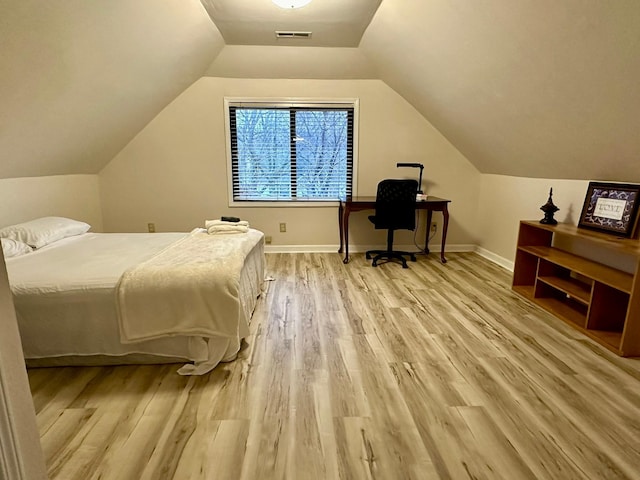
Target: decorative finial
x=549, y=209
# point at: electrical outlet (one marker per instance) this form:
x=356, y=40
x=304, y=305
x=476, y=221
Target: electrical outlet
x=267, y=239
x=151, y=227
x=283, y=227
x=434, y=227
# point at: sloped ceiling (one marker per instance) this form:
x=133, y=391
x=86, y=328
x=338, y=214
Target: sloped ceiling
x=533, y=88
x=79, y=79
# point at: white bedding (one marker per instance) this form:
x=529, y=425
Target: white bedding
x=64, y=295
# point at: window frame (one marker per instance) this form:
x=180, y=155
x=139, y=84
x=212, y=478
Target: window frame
x=288, y=103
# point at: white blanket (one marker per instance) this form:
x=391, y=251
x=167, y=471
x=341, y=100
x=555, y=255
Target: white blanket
x=227, y=229
x=224, y=227
x=189, y=289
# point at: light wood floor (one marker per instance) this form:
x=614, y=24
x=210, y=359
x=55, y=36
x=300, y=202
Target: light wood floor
x=354, y=372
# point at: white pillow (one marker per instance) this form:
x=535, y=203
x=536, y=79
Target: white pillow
x=13, y=248
x=45, y=230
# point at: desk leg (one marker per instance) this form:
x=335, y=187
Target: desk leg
x=340, y=214
x=426, y=240
x=445, y=215
x=345, y=229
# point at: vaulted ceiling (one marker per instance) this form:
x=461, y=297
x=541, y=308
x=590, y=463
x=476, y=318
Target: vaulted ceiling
x=529, y=88
x=79, y=79
x=535, y=88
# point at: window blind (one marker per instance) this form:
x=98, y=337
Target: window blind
x=291, y=152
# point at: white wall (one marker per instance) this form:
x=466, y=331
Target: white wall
x=21, y=456
x=73, y=196
x=246, y=61
x=174, y=173
x=504, y=201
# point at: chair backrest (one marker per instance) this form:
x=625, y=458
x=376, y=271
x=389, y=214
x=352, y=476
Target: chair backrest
x=396, y=204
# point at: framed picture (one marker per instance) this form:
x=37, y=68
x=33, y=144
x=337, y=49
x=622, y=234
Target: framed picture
x=611, y=208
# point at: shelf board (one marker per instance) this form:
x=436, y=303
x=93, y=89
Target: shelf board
x=600, y=301
x=601, y=273
x=627, y=246
x=524, y=290
x=577, y=290
x=608, y=339
x=562, y=311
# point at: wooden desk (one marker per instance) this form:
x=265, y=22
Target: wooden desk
x=356, y=204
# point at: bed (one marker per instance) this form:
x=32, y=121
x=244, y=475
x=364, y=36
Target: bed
x=120, y=298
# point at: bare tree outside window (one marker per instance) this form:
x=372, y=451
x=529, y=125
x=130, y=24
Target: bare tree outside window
x=284, y=154
x=264, y=167
x=321, y=153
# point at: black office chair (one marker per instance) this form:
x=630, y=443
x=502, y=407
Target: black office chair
x=395, y=210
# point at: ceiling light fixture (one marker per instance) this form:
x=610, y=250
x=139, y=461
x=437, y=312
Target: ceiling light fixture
x=291, y=3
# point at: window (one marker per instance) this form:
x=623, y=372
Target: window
x=291, y=152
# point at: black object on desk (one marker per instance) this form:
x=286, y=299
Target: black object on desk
x=414, y=165
x=356, y=204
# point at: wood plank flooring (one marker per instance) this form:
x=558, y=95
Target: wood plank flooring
x=355, y=372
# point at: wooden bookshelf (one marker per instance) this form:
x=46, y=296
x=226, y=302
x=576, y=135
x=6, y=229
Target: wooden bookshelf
x=600, y=301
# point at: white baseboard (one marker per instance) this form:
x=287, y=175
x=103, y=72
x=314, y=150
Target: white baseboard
x=301, y=248
x=360, y=248
x=497, y=259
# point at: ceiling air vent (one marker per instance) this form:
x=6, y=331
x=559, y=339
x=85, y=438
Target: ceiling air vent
x=281, y=34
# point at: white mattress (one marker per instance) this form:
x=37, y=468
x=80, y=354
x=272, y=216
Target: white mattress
x=64, y=296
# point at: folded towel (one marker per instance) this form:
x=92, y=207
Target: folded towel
x=211, y=223
x=222, y=229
